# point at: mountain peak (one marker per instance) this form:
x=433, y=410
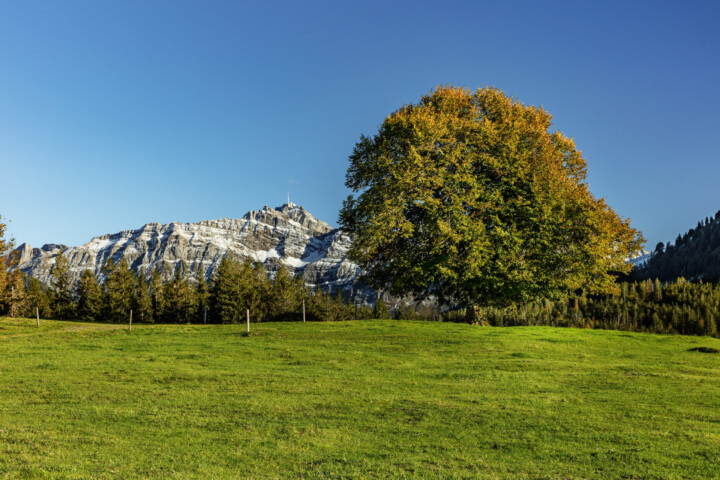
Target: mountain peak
x=287, y=236
x=288, y=212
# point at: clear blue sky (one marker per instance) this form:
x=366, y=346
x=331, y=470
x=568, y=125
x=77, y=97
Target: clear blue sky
x=116, y=114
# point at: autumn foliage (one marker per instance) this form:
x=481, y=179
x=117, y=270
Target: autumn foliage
x=471, y=198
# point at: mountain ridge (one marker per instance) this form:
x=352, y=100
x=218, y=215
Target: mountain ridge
x=286, y=236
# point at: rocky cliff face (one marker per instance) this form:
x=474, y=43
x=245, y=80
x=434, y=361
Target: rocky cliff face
x=287, y=236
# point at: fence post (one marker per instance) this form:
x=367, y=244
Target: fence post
x=303, y=310
x=37, y=315
x=130, y=324
x=248, y=320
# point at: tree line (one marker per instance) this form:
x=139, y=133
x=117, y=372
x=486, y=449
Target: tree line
x=235, y=287
x=681, y=307
x=694, y=255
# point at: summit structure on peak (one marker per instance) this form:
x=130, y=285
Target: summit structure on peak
x=287, y=236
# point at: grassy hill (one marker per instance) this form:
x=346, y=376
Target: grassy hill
x=374, y=399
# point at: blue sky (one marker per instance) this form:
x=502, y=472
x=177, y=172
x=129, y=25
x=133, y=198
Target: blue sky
x=116, y=114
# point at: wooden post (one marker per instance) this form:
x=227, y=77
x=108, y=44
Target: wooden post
x=303, y=310
x=37, y=315
x=248, y=320
x=130, y=324
x=205, y=316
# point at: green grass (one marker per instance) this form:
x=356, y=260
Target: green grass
x=374, y=399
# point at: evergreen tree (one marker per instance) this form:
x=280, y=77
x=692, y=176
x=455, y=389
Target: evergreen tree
x=62, y=297
x=142, y=301
x=225, y=293
x=256, y=290
x=89, y=297
x=406, y=312
x=202, y=295
x=38, y=296
x=118, y=291
x=178, y=300
x=157, y=296
x=710, y=327
x=380, y=310
x=657, y=290
x=339, y=309
x=317, y=305
x=285, y=296
x=238, y=287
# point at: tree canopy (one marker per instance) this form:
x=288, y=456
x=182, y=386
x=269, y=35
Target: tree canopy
x=470, y=197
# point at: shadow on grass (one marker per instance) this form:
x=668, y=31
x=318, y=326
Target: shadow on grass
x=704, y=350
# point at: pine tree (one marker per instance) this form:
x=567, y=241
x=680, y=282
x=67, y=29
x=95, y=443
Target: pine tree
x=380, y=310
x=285, y=296
x=256, y=290
x=202, y=295
x=142, y=301
x=339, y=310
x=239, y=287
x=317, y=305
x=89, y=297
x=711, y=327
x=38, y=296
x=178, y=299
x=118, y=291
x=63, y=301
x=225, y=293
x=657, y=290
x=157, y=296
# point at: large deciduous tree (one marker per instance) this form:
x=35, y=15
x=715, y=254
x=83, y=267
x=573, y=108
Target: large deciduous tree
x=470, y=197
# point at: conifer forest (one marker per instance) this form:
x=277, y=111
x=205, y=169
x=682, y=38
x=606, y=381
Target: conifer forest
x=236, y=288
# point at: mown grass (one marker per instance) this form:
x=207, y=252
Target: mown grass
x=374, y=399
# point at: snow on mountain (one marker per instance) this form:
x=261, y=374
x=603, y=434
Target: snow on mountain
x=640, y=259
x=288, y=235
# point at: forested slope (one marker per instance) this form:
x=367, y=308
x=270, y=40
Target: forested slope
x=695, y=255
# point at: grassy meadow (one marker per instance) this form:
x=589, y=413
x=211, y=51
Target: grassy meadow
x=372, y=399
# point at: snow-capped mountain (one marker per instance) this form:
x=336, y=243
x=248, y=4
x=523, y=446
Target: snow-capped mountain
x=640, y=259
x=288, y=235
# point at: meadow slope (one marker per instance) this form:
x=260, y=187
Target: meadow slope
x=373, y=399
